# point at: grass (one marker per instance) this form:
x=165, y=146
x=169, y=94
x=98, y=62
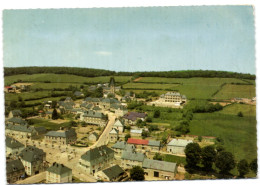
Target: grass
x=48, y=124
x=149, y=86
x=238, y=133
x=233, y=109
x=175, y=159
x=62, y=78
x=236, y=91
x=50, y=86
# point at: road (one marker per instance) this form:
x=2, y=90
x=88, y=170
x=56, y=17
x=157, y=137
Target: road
x=33, y=179
x=71, y=155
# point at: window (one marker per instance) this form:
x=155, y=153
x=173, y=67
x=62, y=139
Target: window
x=156, y=174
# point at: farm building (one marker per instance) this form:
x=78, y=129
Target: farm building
x=14, y=171
x=131, y=159
x=58, y=173
x=161, y=169
x=177, y=146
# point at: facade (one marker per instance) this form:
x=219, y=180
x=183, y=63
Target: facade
x=96, y=159
x=95, y=118
x=33, y=159
x=20, y=131
x=93, y=137
x=131, y=159
x=113, y=135
x=136, y=133
x=177, y=146
x=14, y=171
x=114, y=173
x=58, y=173
x=13, y=147
x=119, y=125
x=61, y=137
x=160, y=169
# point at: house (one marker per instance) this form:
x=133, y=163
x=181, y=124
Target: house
x=177, y=146
x=94, y=101
x=160, y=169
x=78, y=94
x=113, y=135
x=112, y=174
x=13, y=147
x=96, y=159
x=119, y=110
x=119, y=125
x=131, y=159
x=111, y=88
x=58, y=173
x=93, y=137
x=68, y=99
x=97, y=109
x=16, y=121
x=95, y=118
x=132, y=117
x=15, y=113
x=120, y=146
x=33, y=159
x=8, y=89
x=136, y=132
x=20, y=131
x=145, y=145
x=107, y=103
x=14, y=171
x=61, y=137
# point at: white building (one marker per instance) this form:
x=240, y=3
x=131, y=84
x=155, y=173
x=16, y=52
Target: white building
x=177, y=146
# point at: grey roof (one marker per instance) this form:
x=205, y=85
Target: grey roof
x=113, y=172
x=129, y=147
x=179, y=142
x=134, y=115
x=68, y=99
x=118, y=106
x=154, y=143
x=61, y=133
x=12, y=143
x=159, y=165
x=58, y=169
x=119, y=145
x=133, y=156
x=136, y=131
x=173, y=94
x=14, y=166
x=40, y=130
x=17, y=120
x=119, y=123
x=76, y=110
x=96, y=153
x=91, y=113
x=97, y=108
x=110, y=100
x=16, y=112
x=32, y=154
x=184, y=97
x=20, y=128
x=78, y=93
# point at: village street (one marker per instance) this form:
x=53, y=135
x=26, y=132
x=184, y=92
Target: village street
x=70, y=155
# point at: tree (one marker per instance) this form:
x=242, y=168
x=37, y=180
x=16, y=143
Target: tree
x=253, y=166
x=137, y=173
x=127, y=136
x=225, y=162
x=240, y=114
x=53, y=104
x=145, y=134
x=156, y=114
x=55, y=114
x=208, y=156
x=149, y=119
x=200, y=138
x=164, y=140
x=192, y=152
x=157, y=156
x=243, y=167
x=219, y=148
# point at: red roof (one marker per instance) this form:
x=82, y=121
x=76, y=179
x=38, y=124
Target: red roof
x=8, y=87
x=137, y=141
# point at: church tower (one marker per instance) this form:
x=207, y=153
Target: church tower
x=112, y=84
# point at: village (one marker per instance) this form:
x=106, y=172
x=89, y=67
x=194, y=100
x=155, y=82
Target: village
x=116, y=144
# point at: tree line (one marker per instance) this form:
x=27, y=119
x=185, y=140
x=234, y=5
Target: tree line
x=89, y=72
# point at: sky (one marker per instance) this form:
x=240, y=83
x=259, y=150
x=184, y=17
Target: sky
x=132, y=39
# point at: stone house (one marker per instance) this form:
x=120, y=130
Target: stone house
x=93, y=137
x=119, y=109
x=160, y=169
x=145, y=145
x=119, y=125
x=58, y=173
x=16, y=121
x=15, y=113
x=112, y=174
x=13, y=147
x=130, y=159
x=96, y=159
x=113, y=135
x=132, y=117
x=121, y=146
x=95, y=118
x=177, y=146
x=20, y=131
x=107, y=103
x=78, y=94
x=14, y=171
x=61, y=137
x=33, y=159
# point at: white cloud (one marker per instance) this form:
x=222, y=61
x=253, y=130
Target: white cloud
x=104, y=53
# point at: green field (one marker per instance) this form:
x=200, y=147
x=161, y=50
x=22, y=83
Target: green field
x=62, y=78
x=238, y=133
x=236, y=91
x=48, y=125
x=175, y=159
x=149, y=86
x=233, y=109
x=50, y=86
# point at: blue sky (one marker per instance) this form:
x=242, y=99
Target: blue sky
x=132, y=39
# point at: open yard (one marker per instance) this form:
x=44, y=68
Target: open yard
x=236, y=91
x=48, y=124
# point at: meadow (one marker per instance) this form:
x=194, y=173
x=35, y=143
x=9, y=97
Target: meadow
x=150, y=86
x=48, y=124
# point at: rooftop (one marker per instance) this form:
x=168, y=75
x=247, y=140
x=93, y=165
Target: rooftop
x=179, y=142
x=96, y=153
x=113, y=172
x=159, y=165
x=133, y=156
x=137, y=141
x=14, y=166
x=58, y=169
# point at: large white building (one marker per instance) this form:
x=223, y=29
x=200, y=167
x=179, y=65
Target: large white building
x=177, y=146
